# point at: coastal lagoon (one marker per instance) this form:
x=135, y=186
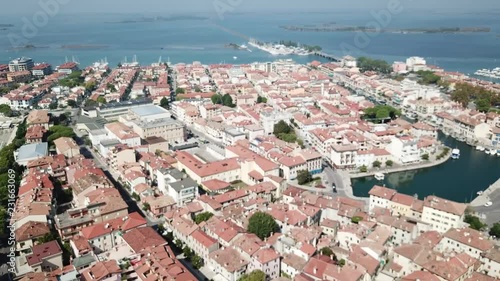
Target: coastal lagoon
x=457, y=180
x=89, y=38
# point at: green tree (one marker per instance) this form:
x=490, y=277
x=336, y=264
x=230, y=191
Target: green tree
x=164, y=103
x=180, y=91
x=5, y=110
x=262, y=225
x=495, y=230
x=178, y=243
x=216, y=99
x=101, y=99
x=381, y=113
x=201, y=217
x=304, y=176
x=483, y=104
x=227, y=100
x=197, y=261
x=146, y=207
x=188, y=253
x=72, y=103
x=376, y=164
x=326, y=251
x=261, y=99
x=53, y=105
x=59, y=131
x=90, y=86
x=47, y=238
x=428, y=77
x=356, y=219
x=255, y=275
x=425, y=156
x=368, y=64
x=197, y=89
x=282, y=128
x=474, y=222
x=110, y=87
x=363, y=169
x=389, y=163
x=341, y=263
x=91, y=102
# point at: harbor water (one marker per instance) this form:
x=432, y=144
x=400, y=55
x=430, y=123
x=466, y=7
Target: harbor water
x=457, y=180
x=92, y=37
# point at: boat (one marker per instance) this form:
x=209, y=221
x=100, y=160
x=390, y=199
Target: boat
x=480, y=148
x=455, y=153
x=479, y=192
x=379, y=176
x=490, y=151
x=235, y=58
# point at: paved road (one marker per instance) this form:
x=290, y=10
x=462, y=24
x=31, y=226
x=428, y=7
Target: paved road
x=124, y=192
x=490, y=214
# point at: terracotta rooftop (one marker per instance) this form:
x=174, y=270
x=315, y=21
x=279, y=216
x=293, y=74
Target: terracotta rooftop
x=43, y=251
x=215, y=185
x=445, y=205
x=420, y=276
x=229, y=259
x=470, y=237
x=382, y=192
x=141, y=238
x=31, y=230
x=101, y=271
x=38, y=117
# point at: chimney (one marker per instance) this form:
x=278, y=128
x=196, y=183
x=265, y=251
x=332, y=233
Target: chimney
x=315, y=270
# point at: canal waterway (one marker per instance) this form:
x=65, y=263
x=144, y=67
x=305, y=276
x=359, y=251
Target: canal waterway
x=457, y=180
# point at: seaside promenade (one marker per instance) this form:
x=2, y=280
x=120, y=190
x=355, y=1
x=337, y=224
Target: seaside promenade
x=397, y=169
x=491, y=214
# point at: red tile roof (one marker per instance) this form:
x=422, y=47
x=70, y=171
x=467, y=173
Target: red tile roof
x=141, y=238
x=43, y=251
x=382, y=192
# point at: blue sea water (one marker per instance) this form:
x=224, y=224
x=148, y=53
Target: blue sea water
x=204, y=40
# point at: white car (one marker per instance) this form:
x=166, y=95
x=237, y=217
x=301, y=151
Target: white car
x=488, y=204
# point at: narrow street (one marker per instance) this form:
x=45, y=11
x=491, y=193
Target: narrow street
x=113, y=176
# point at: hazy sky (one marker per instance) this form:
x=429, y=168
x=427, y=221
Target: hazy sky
x=26, y=7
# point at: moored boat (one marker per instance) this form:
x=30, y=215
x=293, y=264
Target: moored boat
x=379, y=176
x=455, y=153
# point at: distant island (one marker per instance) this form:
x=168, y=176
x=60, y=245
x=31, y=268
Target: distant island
x=83, y=46
x=309, y=48
x=29, y=47
x=160, y=19
x=237, y=47
x=339, y=28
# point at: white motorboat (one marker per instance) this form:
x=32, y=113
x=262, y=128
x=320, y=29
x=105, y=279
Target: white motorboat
x=479, y=192
x=455, y=153
x=379, y=176
x=490, y=151
x=480, y=148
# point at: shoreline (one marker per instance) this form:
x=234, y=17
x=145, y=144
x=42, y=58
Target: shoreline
x=346, y=177
x=480, y=200
x=386, y=171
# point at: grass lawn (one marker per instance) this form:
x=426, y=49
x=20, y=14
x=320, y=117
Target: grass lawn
x=239, y=185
